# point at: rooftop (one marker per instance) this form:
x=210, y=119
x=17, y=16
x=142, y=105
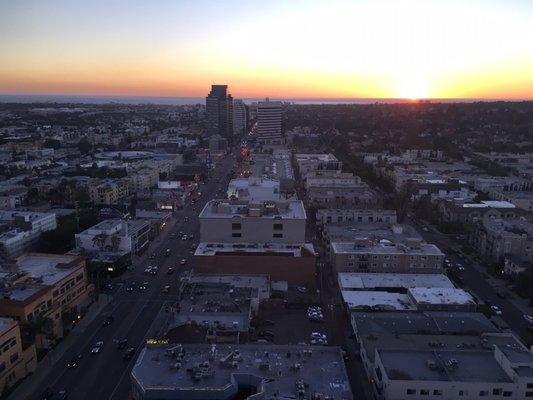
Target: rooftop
x=274, y=369
x=442, y=365
x=48, y=268
x=6, y=324
x=490, y=204
x=443, y=296
x=211, y=249
x=414, y=342
x=386, y=248
x=433, y=322
x=350, y=281
x=363, y=299
x=290, y=209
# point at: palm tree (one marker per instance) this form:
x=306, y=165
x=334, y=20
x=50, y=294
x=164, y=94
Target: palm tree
x=115, y=242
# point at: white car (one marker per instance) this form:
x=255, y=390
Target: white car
x=496, y=310
x=528, y=318
x=183, y=261
x=147, y=270
x=97, y=347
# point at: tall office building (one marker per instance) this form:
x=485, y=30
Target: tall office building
x=219, y=112
x=269, y=122
x=240, y=118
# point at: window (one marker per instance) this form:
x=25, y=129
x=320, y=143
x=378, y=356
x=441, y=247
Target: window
x=497, y=391
x=2, y=367
x=278, y=227
x=424, y=392
x=529, y=394
x=236, y=225
x=79, y=277
x=507, y=393
x=463, y=392
x=483, y=393
x=14, y=358
x=530, y=385
x=277, y=235
x=56, y=293
x=411, y=391
x=236, y=235
x=437, y=392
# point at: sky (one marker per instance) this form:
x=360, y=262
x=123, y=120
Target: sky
x=281, y=49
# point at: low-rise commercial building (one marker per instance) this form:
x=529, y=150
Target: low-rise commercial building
x=222, y=372
x=307, y=163
x=292, y=263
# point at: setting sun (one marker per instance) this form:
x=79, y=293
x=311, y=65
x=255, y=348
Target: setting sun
x=413, y=88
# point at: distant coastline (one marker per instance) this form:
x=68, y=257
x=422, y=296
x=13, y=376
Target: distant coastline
x=181, y=101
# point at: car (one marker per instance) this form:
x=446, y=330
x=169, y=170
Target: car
x=318, y=335
x=193, y=246
x=97, y=347
x=143, y=286
x=301, y=289
x=425, y=229
x=147, y=270
x=170, y=270
x=61, y=395
x=166, y=289
x=108, y=286
x=121, y=343
x=501, y=295
x=167, y=252
x=266, y=334
x=128, y=354
x=130, y=287
x=496, y=310
x=152, y=256
x=74, y=361
x=184, y=237
x=108, y=320
x=183, y=261
x=154, y=270
x=528, y=318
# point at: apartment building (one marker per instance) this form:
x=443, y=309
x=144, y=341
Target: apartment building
x=335, y=215
x=307, y=163
x=108, y=192
x=51, y=287
x=16, y=361
x=143, y=179
x=372, y=255
x=465, y=212
x=229, y=221
x=495, y=238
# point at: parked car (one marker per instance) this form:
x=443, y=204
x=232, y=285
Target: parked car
x=108, y=320
x=147, y=270
x=170, y=270
x=528, y=318
x=97, y=347
x=130, y=287
x=166, y=289
x=183, y=261
x=61, y=395
x=154, y=270
x=496, y=310
x=143, y=286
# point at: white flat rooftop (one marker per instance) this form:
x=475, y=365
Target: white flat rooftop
x=490, y=204
x=361, y=280
x=45, y=266
x=443, y=296
x=364, y=299
x=211, y=249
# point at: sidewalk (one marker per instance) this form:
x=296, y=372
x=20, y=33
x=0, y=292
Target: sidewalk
x=32, y=382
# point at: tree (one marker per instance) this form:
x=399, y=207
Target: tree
x=81, y=195
x=115, y=242
x=84, y=146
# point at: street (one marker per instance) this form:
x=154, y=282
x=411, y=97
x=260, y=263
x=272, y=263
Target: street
x=106, y=375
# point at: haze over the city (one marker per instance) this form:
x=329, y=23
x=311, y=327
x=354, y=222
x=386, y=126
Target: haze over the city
x=312, y=49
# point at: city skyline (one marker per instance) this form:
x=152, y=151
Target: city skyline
x=359, y=49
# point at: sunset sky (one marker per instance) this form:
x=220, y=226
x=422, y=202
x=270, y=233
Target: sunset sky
x=283, y=49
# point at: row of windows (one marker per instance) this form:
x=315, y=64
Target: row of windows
x=482, y=393
x=237, y=226
x=8, y=344
x=274, y=235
